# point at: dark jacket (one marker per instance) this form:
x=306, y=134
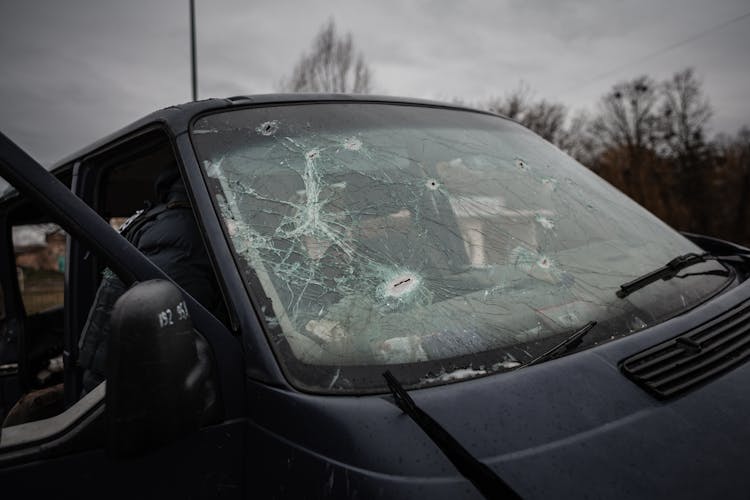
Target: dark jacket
x=168, y=235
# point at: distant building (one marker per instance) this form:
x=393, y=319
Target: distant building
x=40, y=247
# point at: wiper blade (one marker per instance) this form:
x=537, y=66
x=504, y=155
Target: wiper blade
x=666, y=272
x=486, y=481
x=571, y=342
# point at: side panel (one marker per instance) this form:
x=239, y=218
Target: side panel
x=287, y=470
x=205, y=465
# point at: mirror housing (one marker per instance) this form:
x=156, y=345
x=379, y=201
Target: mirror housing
x=154, y=374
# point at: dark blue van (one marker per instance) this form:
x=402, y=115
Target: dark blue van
x=420, y=300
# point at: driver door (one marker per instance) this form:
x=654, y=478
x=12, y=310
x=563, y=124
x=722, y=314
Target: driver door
x=67, y=451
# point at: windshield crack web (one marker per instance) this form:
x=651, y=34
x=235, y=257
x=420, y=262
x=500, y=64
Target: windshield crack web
x=393, y=245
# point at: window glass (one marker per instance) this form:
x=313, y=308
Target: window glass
x=40, y=265
x=442, y=243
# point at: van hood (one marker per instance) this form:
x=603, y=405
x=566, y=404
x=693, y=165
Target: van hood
x=574, y=426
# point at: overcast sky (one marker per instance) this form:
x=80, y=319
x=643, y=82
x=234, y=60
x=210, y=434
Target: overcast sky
x=76, y=70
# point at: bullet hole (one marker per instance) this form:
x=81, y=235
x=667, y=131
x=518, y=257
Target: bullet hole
x=352, y=144
x=521, y=164
x=545, y=222
x=400, y=285
x=544, y=262
x=312, y=154
x=432, y=184
x=268, y=128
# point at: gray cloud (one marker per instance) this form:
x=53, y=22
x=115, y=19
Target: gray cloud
x=74, y=71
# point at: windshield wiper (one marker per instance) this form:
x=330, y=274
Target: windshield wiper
x=666, y=272
x=485, y=479
x=571, y=342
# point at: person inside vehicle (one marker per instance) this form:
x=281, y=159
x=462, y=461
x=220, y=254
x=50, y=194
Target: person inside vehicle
x=168, y=235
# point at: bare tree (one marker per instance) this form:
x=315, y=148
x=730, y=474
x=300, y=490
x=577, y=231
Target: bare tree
x=682, y=122
x=627, y=117
x=332, y=66
x=513, y=105
x=626, y=132
x=578, y=140
x=543, y=117
x=684, y=115
x=546, y=119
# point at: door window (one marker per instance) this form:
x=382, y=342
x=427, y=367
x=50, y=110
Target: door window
x=40, y=265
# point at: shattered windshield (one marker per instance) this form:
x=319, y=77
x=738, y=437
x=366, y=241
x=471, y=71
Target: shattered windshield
x=438, y=243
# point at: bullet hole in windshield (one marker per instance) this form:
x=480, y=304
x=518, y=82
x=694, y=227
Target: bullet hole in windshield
x=400, y=285
x=545, y=222
x=268, y=128
x=550, y=183
x=352, y=144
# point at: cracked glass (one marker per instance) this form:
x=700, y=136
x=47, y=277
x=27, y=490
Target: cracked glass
x=439, y=243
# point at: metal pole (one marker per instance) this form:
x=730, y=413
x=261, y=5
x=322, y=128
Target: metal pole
x=193, y=66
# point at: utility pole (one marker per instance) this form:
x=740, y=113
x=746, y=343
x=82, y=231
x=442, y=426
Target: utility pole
x=193, y=68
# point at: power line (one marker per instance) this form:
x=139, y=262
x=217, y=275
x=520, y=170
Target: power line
x=658, y=52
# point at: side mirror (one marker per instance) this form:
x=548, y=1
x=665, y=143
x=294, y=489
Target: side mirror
x=154, y=393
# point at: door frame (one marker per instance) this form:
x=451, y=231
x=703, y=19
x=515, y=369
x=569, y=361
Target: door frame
x=80, y=221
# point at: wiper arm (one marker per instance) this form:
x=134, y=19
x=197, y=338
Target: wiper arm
x=669, y=271
x=486, y=481
x=571, y=342
x=666, y=272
